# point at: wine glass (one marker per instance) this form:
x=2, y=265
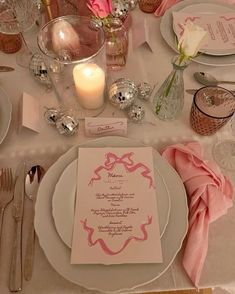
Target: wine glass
x=16, y=17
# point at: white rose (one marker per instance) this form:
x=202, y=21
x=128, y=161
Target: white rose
x=192, y=39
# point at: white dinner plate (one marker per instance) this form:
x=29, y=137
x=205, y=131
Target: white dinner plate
x=101, y=277
x=166, y=28
x=63, y=202
x=5, y=114
x=208, y=8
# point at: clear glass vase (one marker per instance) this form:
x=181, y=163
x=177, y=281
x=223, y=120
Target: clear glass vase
x=116, y=44
x=168, y=101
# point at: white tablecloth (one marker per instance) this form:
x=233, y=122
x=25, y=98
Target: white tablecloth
x=45, y=147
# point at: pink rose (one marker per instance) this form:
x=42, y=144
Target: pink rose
x=100, y=8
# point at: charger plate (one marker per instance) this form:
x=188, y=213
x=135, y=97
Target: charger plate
x=63, y=202
x=112, y=278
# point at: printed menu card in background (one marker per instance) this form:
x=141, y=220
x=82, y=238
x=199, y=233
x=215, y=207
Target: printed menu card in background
x=116, y=215
x=220, y=28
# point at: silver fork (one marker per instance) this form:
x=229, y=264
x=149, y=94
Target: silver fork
x=6, y=192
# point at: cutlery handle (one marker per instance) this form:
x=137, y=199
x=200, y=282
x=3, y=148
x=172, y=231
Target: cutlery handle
x=29, y=255
x=1, y=221
x=15, y=281
x=228, y=82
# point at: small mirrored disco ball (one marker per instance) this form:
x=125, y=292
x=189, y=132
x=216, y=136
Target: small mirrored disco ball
x=122, y=93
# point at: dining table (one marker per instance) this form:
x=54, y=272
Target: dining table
x=149, y=62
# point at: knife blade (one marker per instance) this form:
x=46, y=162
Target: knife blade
x=4, y=68
x=193, y=91
x=15, y=278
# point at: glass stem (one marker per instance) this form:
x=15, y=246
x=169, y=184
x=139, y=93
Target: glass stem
x=25, y=44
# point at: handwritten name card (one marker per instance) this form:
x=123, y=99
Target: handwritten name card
x=105, y=126
x=116, y=215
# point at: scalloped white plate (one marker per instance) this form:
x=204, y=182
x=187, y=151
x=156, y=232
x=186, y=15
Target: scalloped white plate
x=166, y=29
x=101, y=277
x=5, y=114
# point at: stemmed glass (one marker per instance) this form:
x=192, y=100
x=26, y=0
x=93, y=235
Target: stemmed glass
x=16, y=17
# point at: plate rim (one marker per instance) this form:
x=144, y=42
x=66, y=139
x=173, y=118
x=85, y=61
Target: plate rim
x=183, y=231
x=7, y=114
x=203, y=58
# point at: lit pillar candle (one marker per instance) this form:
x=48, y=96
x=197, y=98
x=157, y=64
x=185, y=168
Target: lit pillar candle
x=89, y=81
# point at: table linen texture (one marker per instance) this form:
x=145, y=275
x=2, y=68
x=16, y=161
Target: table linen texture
x=45, y=147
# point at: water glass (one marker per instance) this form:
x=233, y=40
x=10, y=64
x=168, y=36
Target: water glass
x=212, y=108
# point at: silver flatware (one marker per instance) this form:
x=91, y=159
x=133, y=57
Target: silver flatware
x=193, y=91
x=32, y=181
x=15, y=278
x=207, y=79
x=6, y=192
x=4, y=68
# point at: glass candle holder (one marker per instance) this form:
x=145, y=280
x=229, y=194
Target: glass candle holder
x=73, y=48
x=212, y=108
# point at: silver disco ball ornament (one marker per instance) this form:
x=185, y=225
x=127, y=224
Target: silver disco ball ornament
x=144, y=91
x=120, y=8
x=122, y=93
x=39, y=70
x=136, y=113
x=51, y=115
x=132, y=4
x=67, y=125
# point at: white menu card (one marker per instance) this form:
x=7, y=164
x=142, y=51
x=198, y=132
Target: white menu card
x=220, y=28
x=116, y=215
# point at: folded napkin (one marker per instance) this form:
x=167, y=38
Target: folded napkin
x=165, y=4
x=210, y=194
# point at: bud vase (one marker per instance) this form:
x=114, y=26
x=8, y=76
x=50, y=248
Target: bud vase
x=116, y=44
x=168, y=101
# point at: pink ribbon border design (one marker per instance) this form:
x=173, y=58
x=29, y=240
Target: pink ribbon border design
x=102, y=243
x=111, y=161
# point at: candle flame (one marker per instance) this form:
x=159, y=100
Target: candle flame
x=88, y=71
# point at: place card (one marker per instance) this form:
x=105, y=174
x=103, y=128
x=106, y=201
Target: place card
x=105, y=126
x=116, y=215
x=220, y=28
x=140, y=35
x=30, y=117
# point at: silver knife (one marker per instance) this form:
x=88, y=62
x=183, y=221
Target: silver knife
x=4, y=68
x=193, y=91
x=15, y=278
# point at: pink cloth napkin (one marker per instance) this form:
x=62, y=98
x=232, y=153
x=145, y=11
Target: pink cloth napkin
x=166, y=4
x=210, y=194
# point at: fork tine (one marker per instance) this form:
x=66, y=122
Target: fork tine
x=6, y=179
x=11, y=179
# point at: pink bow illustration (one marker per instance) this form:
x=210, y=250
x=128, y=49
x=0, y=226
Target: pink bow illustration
x=111, y=161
